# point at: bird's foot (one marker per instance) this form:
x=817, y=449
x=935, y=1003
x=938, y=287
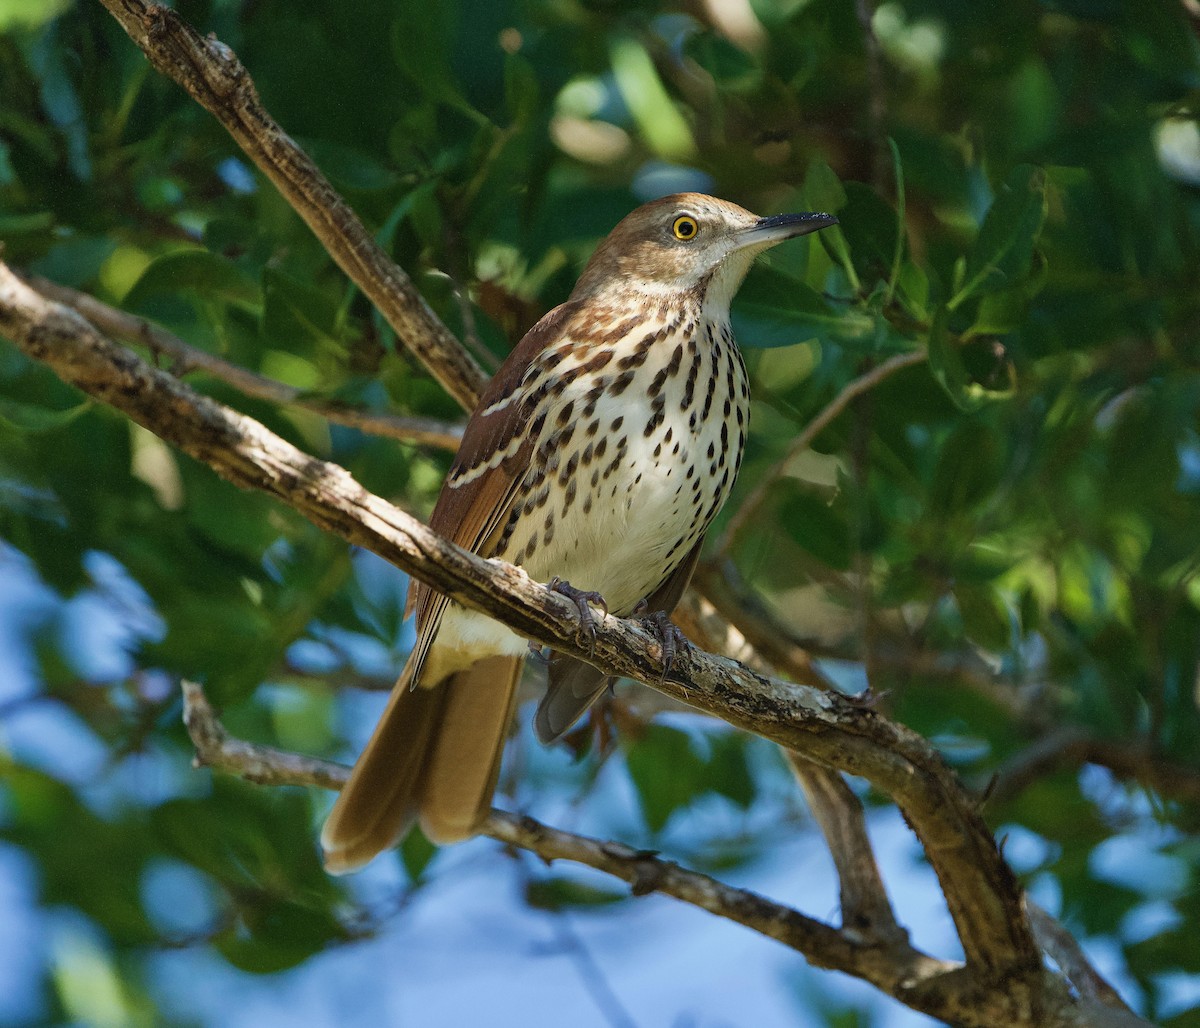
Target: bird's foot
x=868, y=699
x=583, y=599
x=670, y=635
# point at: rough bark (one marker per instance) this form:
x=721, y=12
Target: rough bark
x=1003, y=980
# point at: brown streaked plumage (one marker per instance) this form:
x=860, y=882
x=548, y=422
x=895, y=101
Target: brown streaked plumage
x=600, y=453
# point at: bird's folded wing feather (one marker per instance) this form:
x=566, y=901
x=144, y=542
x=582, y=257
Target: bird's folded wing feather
x=490, y=466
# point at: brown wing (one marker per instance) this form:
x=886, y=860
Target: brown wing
x=491, y=463
x=575, y=685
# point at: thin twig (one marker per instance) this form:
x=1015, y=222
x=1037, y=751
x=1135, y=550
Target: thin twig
x=261, y=764
x=864, y=900
x=186, y=358
x=876, y=91
x=751, y=505
x=1072, y=747
x=1064, y=950
x=591, y=974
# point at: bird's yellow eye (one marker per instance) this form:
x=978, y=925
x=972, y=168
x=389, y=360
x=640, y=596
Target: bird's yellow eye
x=685, y=227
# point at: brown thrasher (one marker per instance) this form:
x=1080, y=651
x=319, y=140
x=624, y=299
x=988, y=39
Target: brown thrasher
x=600, y=452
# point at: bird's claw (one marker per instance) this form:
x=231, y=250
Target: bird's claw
x=868, y=699
x=583, y=599
x=670, y=636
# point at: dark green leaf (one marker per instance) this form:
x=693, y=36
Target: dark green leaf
x=194, y=271
x=556, y=892
x=1003, y=251
x=669, y=772
x=774, y=309
x=25, y=417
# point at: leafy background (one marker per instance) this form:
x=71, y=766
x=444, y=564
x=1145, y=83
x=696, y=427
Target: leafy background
x=1002, y=539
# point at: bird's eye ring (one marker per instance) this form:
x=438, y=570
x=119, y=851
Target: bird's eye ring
x=685, y=227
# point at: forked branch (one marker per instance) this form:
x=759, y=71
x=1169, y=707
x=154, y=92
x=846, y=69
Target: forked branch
x=1003, y=976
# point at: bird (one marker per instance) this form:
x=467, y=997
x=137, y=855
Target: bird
x=596, y=459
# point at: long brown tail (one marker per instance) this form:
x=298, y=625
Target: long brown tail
x=435, y=755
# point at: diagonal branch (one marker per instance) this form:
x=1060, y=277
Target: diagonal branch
x=1003, y=981
x=863, y=898
x=1072, y=747
x=1064, y=950
x=820, y=943
x=214, y=77
x=982, y=893
x=185, y=357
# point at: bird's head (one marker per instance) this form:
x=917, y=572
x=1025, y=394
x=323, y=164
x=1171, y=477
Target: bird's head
x=688, y=243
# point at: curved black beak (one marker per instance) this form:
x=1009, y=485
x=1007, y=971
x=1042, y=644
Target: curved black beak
x=778, y=227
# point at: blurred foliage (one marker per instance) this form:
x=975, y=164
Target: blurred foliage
x=1004, y=538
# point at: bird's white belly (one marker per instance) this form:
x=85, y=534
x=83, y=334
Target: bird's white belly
x=632, y=536
x=648, y=496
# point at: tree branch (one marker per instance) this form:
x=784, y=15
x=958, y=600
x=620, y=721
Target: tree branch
x=863, y=898
x=185, y=357
x=1072, y=747
x=820, y=943
x=864, y=903
x=214, y=77
x=937, y=987
x=981, y=891
x=1065, y=951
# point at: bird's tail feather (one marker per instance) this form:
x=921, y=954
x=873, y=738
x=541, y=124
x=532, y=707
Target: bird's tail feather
x=464, y=759
x=573, y=687
x=435, y=754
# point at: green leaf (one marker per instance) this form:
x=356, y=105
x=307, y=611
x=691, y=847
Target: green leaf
x=28, y=417
x=669, y=772
x=868, y=223
x=17, y=224
x=950, y=371
x=665, y=130
x=416, y=851
x=349, y=167
x=1006, y=310
x=296, y=315
x=774, y=309
x=558, y=892
x=947, y=366
x=276, y=934
x=29, y=14
x=901, y=210
x=423, y=37
x=912, y=288
x=815, y=524
x=194, y=271
x=822, y=189
x=732, y=67
x=985, y=618
x=1003, y=250
x=970, y=464
x=521, y=88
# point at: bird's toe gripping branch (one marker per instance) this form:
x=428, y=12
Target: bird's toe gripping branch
x=670, y=636
x=584, y=600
